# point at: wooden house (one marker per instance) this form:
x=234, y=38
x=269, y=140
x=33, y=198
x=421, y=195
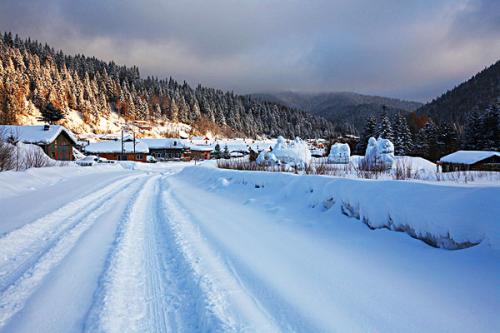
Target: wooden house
x=200, y=152
x=55, y=140
x=113, y=150
x=168, y=149
x=465, y=160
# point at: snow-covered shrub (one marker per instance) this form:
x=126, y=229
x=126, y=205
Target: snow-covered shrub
x=339, y=154
x=266, y=158
x=295, y=153
x=379, y=154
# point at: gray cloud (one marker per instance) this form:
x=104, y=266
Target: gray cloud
x=408, y=49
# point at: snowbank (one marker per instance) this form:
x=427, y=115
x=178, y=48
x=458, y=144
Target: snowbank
x=446, y=216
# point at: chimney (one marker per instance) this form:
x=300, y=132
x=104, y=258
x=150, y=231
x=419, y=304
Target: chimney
x=46, y=127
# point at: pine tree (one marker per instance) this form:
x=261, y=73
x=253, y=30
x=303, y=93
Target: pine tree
x=426, y=142
x=385, y=129
x=226, y=155
x=217, y=152
x=368, y=132
x=490, y=129
x=472, y=134
x=51, y=114
x=403, y=142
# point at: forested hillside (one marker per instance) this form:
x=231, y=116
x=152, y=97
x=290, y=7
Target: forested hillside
x=349, y=111
x=33, y=75
x=475, y=95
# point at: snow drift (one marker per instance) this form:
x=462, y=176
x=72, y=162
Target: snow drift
x=445, y=216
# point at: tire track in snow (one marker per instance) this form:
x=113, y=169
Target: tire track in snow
x=225, y=296
x=21, y=248
x=40, y=263
x=146, y=286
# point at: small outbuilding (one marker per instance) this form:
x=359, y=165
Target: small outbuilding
x=55, y=140
x=464, y=160
x=113, y=150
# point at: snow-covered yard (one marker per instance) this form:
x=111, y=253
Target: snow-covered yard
x=176, y=247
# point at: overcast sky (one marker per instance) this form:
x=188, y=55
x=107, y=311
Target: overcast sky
x=407, y=49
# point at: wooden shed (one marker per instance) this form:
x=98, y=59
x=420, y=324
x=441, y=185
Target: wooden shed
x=465, y=160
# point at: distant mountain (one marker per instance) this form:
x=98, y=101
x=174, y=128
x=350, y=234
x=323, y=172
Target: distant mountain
x=346, y=110
x=476, y=94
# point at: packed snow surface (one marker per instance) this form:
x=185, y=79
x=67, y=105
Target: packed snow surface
x=162, y=247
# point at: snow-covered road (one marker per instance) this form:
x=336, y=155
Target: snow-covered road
x=152, y=251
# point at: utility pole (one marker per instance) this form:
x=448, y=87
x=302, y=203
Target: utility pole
x=134, y=144
x=121, y=157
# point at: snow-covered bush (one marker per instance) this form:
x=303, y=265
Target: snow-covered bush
x=339, y=153
x=295, y=153
x=266, y=158
x=379, y=154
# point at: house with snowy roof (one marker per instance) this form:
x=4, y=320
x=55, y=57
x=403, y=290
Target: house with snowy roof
x=114, y=150
x=167, y=148
x=55, y=140
x=464, y=160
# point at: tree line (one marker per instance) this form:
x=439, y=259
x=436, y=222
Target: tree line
x=436, y=139
x=34, y=75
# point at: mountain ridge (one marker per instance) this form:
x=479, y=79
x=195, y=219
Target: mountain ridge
x=348, y=110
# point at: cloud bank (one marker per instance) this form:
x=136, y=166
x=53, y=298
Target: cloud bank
x=407, y=49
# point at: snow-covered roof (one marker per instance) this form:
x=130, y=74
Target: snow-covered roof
x=467, y=156
x=116, y=147
x=170, y=143
x=201, y=148
x=36, y=133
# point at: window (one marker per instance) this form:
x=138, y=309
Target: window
x=138, y=157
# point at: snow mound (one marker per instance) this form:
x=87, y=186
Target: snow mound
x=295, y=153
x=379, y=152
x=339, y=153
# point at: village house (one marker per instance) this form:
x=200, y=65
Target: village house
x=200, y=152
x=112, y=150
x=464, y=160
x=55, y=140
x=167, y=149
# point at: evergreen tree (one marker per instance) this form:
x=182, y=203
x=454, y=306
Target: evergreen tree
x=51, y=114
x=217, y=152
x=426, y=142
x=368, y=132
x=385, y=128
x=226, y=155
x=403, y=142
x=472, y=134
x=490, y=129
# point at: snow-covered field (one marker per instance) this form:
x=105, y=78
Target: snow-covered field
x=176, y=247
